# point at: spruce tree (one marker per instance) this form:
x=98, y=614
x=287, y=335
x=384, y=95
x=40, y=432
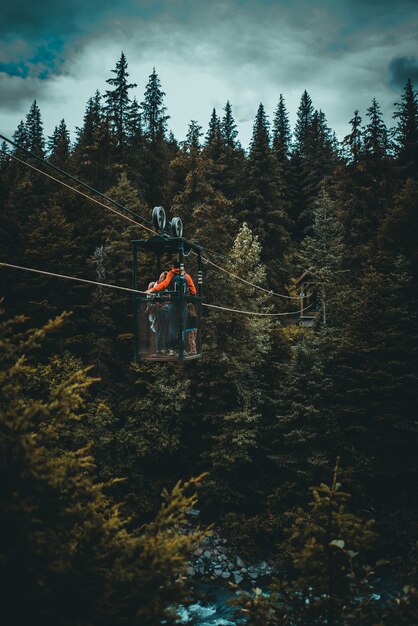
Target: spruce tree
x=263, y=205
x=353, y=142
x=241, y=353
x=406, y=132
x=59, y=145
x=118, y=100
x=229, y=129
x=20, y=136
x=376, y=142
x=303, y=127
x=232, y=163
x=157, y=153
x=322, y=253
x=92, y=117
x=214, y=141
x=34, y=131
x=154, y=111
x=281, y=132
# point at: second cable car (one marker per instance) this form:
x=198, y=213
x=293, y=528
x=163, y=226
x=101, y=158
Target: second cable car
x=167, y=323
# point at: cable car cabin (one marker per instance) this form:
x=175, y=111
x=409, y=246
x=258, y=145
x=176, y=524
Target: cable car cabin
x=309, y=305
x=167, y=323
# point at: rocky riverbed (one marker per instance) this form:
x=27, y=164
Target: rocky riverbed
x=215, y=558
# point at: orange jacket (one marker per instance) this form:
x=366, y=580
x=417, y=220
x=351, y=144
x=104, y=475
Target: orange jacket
x=169, y=278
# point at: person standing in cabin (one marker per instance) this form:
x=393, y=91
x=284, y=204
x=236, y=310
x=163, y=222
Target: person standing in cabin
x=174, y=282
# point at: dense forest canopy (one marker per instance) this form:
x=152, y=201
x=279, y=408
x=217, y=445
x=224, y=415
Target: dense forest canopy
x=271, y=404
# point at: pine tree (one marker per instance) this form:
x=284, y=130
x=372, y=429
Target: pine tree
x=4, y=158
x=322, y=253
x=229, y=129
x=157, y=152
x=200, y=203
x=59, y=145
x=313, y=159
x=20, y=136
x=194, y=134
x=263, y=204
x=214, y=141
x=239, y=356
x=34, y=131
x=406, y=134
x=118, y=101
x=92, y=118
x=303, y=127
x=231, y=174
x=281, y=132
x=376, y=141
x=354, y=141
x=154, y=111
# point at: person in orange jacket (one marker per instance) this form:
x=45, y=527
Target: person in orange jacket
x=170, y=282
x=176, y=318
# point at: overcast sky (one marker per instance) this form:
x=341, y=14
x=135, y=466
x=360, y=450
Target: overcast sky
x=344, y=52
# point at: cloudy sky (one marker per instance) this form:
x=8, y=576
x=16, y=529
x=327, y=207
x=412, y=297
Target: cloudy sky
x=344, y=52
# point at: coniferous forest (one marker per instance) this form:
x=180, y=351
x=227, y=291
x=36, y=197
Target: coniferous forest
x=297, y=443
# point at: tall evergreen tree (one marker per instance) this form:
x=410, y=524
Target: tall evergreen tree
x=263, y=205
x=281, y=132
x=59, y=145
x=214, y=142
x=233, y=159
x=406, y=134
x=34, y=131
x=92, y=117
x=229, y=128
x=194, y=133
x=241, y=353
x=157, y=152
x=354, y=141
x=303, y=127
x=118, y=101
x=376, y=141
x=20, y=136
x=154, y=112
x=322, y=253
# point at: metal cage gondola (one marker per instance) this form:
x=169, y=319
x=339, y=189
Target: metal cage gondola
x=167, y=324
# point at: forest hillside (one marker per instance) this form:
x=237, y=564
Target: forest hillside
x=300, y=439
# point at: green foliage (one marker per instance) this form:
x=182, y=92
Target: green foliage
x=269, y=404
x=325, y=554
x=68, y=553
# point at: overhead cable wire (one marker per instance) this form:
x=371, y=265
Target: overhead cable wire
x=271, y=293
x=119, y=287
x=223, y=308
x=81, y=193
x=75, y=278
x=77, y=180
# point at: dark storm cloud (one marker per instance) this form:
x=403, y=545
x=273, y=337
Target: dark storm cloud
x=402, y=68
x=208, y=52
x=16, y=91
x=34, y=35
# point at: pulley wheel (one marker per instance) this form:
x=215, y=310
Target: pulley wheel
x=159, y=218
x=176, y=227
